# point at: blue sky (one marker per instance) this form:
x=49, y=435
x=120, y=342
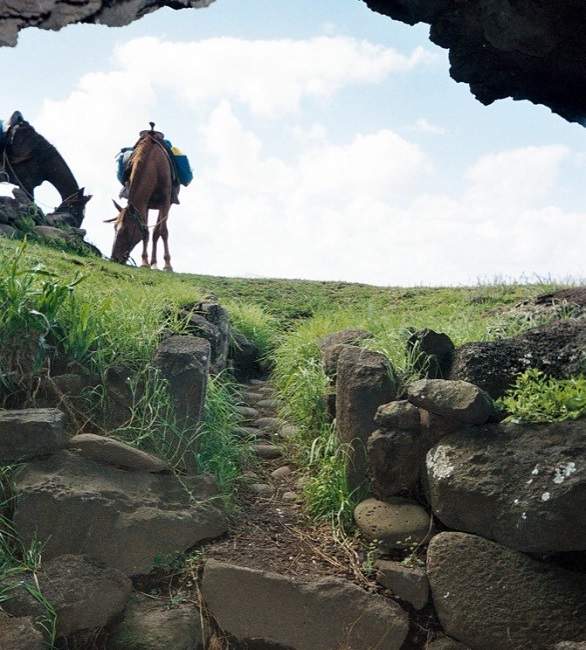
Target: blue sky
x=329, y=143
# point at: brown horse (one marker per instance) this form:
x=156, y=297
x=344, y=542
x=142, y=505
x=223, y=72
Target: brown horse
x=27, y=160
x=150, y=188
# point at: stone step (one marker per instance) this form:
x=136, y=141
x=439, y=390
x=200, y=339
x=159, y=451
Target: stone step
x=251, y=432
x=267, y=451
x=252, y=397
x=273, y=610
x=268, y=424
x=248, y=413
x=269, y=405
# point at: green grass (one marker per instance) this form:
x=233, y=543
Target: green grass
x=538, y=398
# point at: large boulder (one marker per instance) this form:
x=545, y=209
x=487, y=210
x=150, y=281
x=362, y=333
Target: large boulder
x=488, y=596
x=558, y=349
x=332, y=345
x=521, y=485
x=84, y=594
x=129, y=520
x=29, y=433
x=150, y=624
x=407, y=583
x=20, y=634
x=282, y=613
x=365, y=380
x=455, y=400
x=432, y=353
x=184, y=361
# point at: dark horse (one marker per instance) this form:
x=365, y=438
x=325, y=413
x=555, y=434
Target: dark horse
x=150, y=188
x=28, y=160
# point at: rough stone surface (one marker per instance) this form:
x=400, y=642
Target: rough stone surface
x=400, y=415
x=281, y=473
x=273, y=425
x=527, y=49
x=446, y=643
x=521, y=485
x=55, y=14
x=268, y=452
x=432, y=353
x=558, y=349
x=395, y=460
x=407, y=583
x=7, y=231
x=85, y=594
x=126, y=519
x=395, y=523
x=114, y=452
x=332, y=345
x=20, y=634
x=458, y=400
x=209, y=320
x=365, y=380
x=324, y=615
x=184, y=362
x=488, y=596
x=570, y=645
x=29, y=433
x=157, y=625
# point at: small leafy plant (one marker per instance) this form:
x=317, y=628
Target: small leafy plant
x=535, y=397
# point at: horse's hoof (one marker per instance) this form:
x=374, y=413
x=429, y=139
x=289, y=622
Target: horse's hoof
x=145, y=265
x=169, y=269
x=154, y=266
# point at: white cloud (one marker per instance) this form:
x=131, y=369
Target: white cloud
x=423, y=125
x=295, y=198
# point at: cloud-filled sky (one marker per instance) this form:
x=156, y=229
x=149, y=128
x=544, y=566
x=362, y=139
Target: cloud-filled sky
x=328, y=143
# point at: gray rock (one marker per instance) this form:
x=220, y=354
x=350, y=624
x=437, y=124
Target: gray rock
x=332, y=345
x=269, y=404
x=558, y=349
x=8, y=231
x=157, y=625
x=288, y=431
x=284, y=613
x=488, y=596
x=272, y=425
x=183, y=361
x=394, y=523
x=290, y=496
x=407, y=583
x=570, y=645
x=281, y=472
x=252, y=397
x=521, y=485
x=141, y=517
x=20, y=634
x=29, y=433
x=261, y=489
x=457, y=400
x=210, y=321
x=114, y=452
x=247, y=413
x=268, y=452
x=395, y=460
x=84, y=593
x=365, y=381
x=432, y=353
x=400, y=415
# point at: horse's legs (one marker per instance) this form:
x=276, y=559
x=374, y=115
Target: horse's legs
x=163, y=218
x=145, y=243
x=155, y=241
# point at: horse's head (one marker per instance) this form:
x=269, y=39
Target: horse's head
x=21, y=138
x=130, y=230
x=75, y=206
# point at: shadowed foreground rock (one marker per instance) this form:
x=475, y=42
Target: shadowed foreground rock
x=488, y=596
x=329, y=614
x=84, y=593
x=126, y=519
x=521, y=485
x=20, y=634
x=153, y=624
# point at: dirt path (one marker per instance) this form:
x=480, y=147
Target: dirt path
x=270, y=531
